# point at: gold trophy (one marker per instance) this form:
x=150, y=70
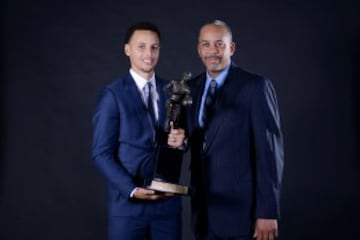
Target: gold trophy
x=168, y=159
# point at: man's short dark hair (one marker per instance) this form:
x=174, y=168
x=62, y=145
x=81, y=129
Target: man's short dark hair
x=140, y=26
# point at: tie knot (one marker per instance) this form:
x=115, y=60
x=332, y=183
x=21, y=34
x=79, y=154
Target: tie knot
x=147, y=93
x=213, y=85
x=148, y=86
x=209, y=102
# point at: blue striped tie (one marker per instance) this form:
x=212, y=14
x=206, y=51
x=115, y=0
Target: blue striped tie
x=209, y=103
x=149, y=102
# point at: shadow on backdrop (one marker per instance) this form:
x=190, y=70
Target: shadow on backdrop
x=356, y=89
x=58, y=56
x=2, y=104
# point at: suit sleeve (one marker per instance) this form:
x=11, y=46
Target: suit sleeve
x=269, y=152
x=106, y=123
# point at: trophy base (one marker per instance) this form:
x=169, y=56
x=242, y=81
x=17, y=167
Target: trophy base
x=169, y=187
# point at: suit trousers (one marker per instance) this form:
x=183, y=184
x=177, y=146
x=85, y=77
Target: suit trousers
x=145, y=227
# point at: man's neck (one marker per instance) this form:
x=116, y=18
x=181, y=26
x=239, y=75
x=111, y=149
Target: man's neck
x=145, y=75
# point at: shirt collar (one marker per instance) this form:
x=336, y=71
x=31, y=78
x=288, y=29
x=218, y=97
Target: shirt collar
x=220, y=79
x=140, y=81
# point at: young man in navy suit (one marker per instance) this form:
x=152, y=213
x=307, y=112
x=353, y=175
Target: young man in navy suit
x=236, y=146
x=128, y=123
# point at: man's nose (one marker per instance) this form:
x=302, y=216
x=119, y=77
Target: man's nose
x=213, y=49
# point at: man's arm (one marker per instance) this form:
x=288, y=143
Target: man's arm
x=269, y=163
x=106, y=123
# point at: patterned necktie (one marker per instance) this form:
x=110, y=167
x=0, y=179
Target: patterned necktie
x=149, y=102
x=209, y=103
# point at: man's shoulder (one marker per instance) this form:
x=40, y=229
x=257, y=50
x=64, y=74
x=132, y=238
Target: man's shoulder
x=197, y=79
x=161, y=81
x=245, y=76
x=244, y=73
x=118, y=82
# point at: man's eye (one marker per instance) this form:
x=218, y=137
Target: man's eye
x=219, y=44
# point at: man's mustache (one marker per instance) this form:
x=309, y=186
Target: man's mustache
x=213, y=56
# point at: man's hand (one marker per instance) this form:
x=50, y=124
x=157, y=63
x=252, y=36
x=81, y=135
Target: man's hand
x=266, y=229
x=147, y=194
x=176, y=137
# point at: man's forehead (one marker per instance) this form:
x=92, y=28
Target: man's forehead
x=213, y=37
x=143, y=35
x=213, y=27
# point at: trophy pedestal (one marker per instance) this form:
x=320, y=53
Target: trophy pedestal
x=169, y=187
x=167, y=172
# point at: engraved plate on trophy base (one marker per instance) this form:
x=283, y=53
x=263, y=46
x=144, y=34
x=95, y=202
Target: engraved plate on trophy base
x=169, y=187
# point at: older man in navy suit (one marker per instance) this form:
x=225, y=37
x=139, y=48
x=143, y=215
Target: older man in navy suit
x=236, y=146
x=128, y=124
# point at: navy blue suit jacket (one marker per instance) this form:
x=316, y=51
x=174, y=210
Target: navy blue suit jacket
x=124, y=146
x=237, y=172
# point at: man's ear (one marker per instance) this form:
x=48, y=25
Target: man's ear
x=232, y=48
x=127, y=49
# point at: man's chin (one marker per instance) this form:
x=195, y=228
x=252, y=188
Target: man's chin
x=214, y=67
x=147, y=70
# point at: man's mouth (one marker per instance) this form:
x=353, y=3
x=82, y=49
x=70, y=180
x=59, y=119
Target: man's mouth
x=213, y=59
x=147, y=61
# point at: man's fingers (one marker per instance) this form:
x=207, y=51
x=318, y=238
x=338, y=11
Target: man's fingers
x=169, y=194
x=266, y=229
x=265, y=235
x=143, y=193
x=148, y=192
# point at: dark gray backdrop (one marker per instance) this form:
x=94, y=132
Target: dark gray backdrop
x=56, y=56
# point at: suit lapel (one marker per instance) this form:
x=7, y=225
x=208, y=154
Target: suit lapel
x=225, y=95
x=197, y=89
x=136, y=100
x=162, y=98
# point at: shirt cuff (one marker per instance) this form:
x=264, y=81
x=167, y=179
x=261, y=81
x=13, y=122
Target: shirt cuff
x=132, y=192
